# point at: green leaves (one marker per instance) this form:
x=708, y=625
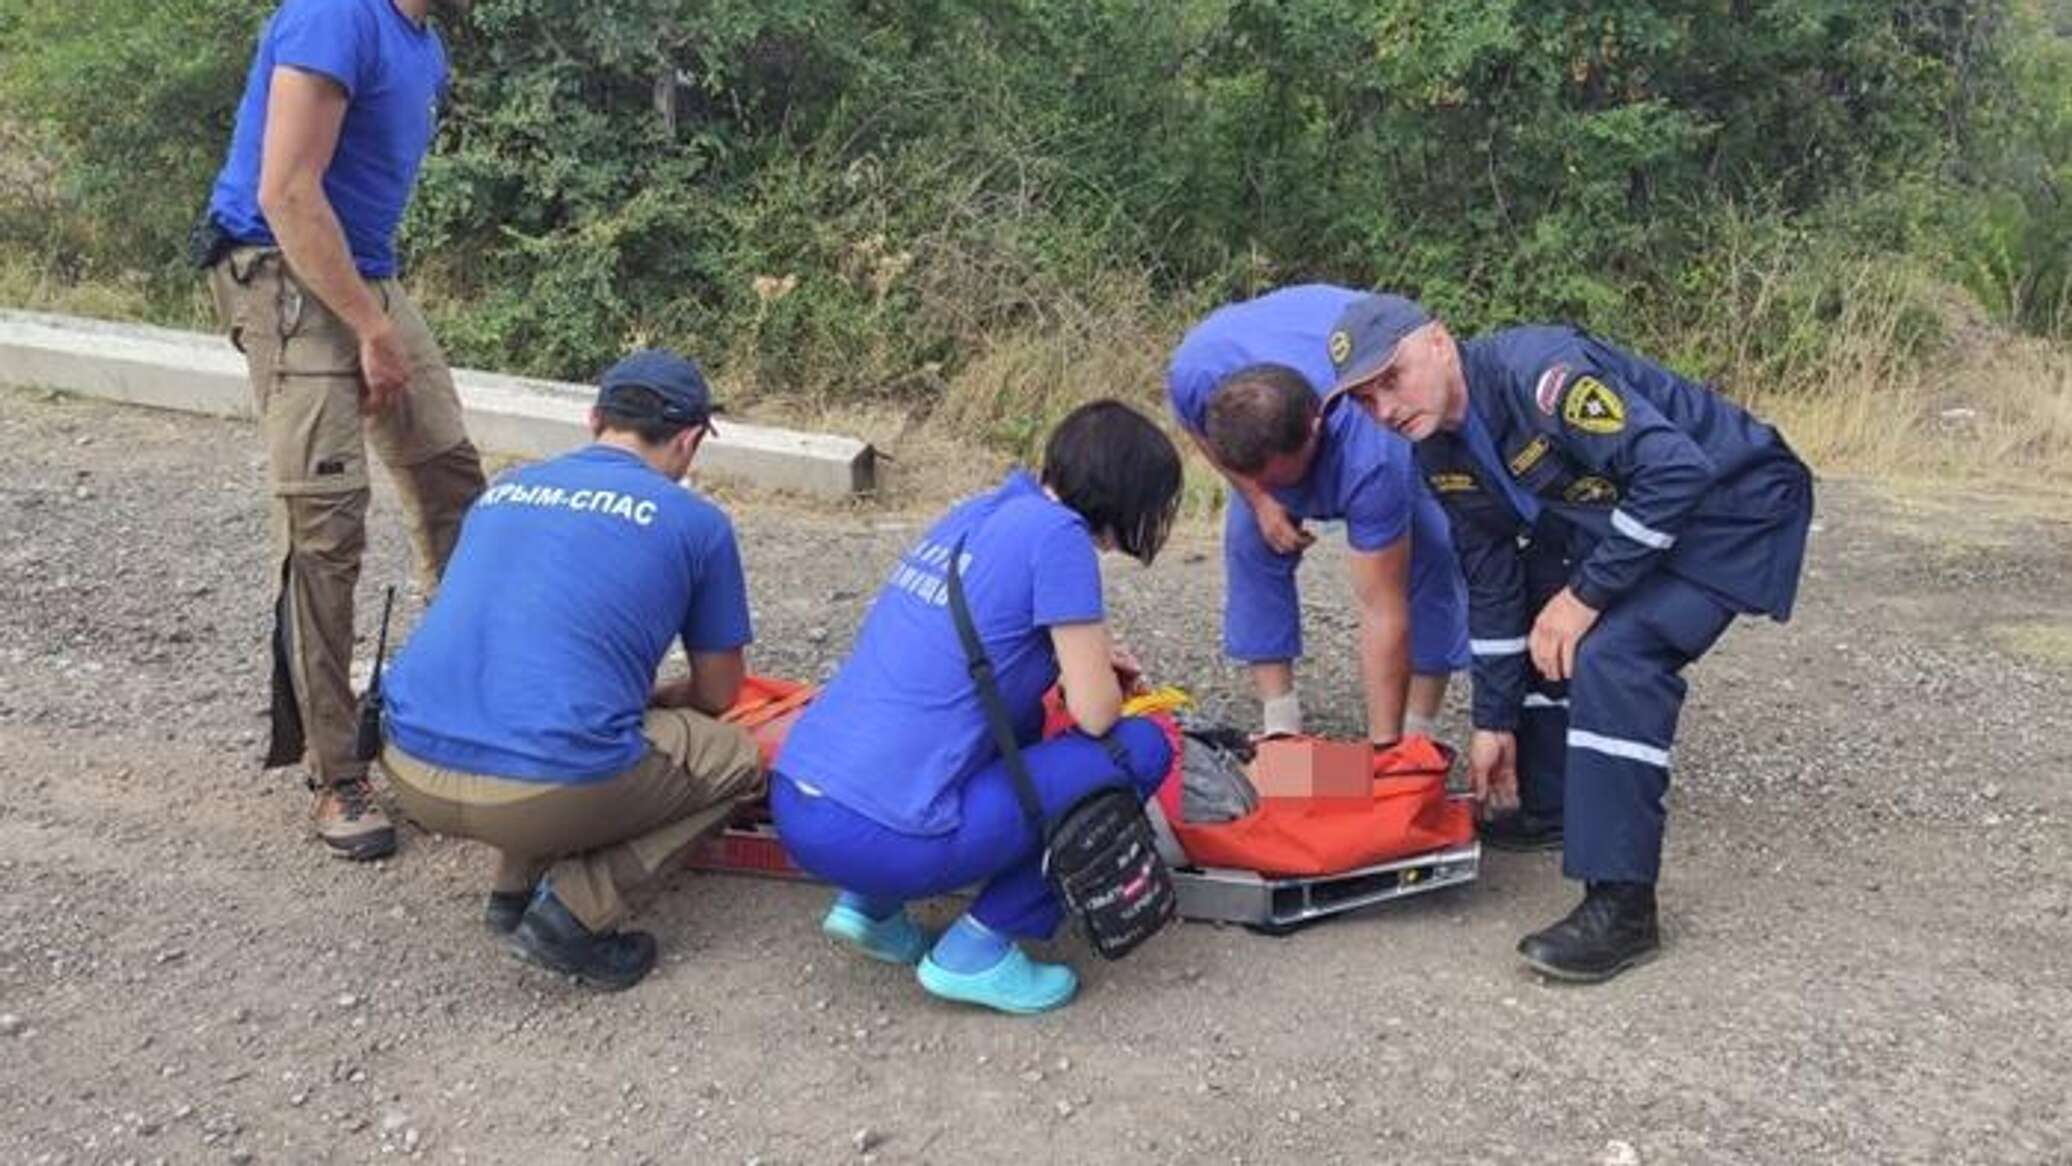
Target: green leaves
x=931, y=175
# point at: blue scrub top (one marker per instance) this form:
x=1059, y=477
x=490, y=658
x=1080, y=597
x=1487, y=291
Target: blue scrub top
x=1363, y=474
x=900, y=727
x=570, y=580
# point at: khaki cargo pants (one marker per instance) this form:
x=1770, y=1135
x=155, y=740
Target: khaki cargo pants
x=306, y=389
x=593, y=841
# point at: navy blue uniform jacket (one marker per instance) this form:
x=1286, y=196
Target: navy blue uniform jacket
x=1646, y=470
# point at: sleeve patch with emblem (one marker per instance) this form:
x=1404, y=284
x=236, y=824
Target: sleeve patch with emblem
x=1593, y=408
x=1452, y=482
x=1549, y=390
x=1591, y=491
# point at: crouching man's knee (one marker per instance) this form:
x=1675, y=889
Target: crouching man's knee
x=721, y=759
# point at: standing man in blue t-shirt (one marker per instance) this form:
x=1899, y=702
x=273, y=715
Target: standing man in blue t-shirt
x=1248, y=385
x=524, y=711
x=299, y=243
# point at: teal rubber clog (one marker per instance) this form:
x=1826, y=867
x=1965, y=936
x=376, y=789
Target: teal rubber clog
x=1016, y=985
x=897, y=940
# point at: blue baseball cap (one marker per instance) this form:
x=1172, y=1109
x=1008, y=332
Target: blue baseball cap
x=1364, y=340
x=675, y=381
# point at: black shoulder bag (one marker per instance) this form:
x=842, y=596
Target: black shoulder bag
x=1101, y=856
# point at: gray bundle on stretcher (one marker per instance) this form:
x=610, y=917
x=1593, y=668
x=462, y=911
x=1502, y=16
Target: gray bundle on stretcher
x=1213, y=785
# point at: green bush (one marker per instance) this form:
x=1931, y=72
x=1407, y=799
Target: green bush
x=858, y=198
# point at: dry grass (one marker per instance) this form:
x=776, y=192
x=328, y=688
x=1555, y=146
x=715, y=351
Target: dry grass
x=29, y=282
x=2045, y=642
x=1987, y=411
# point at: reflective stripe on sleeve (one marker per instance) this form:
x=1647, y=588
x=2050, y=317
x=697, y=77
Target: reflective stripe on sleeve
x=1634, y=529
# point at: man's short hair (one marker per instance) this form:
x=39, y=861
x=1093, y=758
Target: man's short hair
x=637, y=410
x=1257, y=412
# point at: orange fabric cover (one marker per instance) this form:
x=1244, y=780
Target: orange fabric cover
x=1408, y=814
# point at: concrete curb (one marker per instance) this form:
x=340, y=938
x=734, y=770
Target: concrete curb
x=193, y=372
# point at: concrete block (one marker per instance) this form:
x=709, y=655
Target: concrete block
x=198, y=373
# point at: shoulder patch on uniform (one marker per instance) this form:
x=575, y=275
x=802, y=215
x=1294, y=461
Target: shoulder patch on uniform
x=1528, y=456
x=1591, y=491
x=1594, y=408
x=1549, y=390
x=1452, y=482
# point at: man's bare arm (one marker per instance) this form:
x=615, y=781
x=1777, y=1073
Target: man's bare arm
x=1381, y=584
x=304, y=114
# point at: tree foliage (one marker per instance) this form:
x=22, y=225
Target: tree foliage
x=853, y=193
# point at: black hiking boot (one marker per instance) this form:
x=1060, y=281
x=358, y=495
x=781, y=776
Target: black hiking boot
x=1611, y=930
x=1523, y=832
x=548, y=935
x=504, y=910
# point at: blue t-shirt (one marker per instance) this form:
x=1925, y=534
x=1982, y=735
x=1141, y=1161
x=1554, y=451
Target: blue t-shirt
x=1363, y=474
x=570, y=579
x=899, y=728
x=393, y=73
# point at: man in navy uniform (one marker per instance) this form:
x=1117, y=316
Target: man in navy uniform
x=1611, y=518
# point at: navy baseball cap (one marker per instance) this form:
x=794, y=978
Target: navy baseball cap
x=1364, y=339
x=676, y=382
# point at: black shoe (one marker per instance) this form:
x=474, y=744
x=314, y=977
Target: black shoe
x=1612, y=930
x=549, y=936
x=1523, y=832
x=504, y=910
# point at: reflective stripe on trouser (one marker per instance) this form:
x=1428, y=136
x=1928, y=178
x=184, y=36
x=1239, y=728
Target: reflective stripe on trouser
x=1624, y=702
x=596, y=840
x=305, y=373
x=992, y=843
x=1262, y=608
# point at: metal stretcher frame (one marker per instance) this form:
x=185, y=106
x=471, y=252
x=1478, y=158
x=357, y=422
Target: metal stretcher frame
x=1274, y=905
x=1279, y=905
x=1213, y=894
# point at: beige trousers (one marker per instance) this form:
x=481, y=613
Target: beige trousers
x=593, y=841
x=304, y=365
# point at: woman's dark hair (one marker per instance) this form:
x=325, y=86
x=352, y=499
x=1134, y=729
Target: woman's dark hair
x=638, y=410
x=1256, y=412
x=1119, y=471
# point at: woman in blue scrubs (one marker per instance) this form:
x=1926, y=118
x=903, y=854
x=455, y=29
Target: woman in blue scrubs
x=890, y=786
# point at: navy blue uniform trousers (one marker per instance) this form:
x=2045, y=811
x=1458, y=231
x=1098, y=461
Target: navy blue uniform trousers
x=992, y=843
x=1599, y=753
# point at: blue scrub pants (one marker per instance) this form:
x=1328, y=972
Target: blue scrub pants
x=1262, y=610
x=992, y=843
x=1616, y=734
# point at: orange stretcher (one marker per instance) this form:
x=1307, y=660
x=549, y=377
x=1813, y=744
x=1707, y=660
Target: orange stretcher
x=1285, y=865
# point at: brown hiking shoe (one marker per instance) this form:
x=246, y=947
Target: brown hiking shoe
x=351, y=824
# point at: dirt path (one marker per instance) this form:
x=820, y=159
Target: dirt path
x=1867, y=900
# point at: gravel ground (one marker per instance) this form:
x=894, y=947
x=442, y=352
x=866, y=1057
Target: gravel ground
x=1866, y=900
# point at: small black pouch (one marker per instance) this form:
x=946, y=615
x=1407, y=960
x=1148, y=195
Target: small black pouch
x=208, y=242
